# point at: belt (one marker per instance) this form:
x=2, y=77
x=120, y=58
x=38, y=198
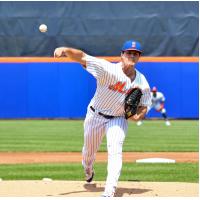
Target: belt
x=105, y=116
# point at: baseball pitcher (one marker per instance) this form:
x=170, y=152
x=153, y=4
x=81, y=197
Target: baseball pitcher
x=122, y=93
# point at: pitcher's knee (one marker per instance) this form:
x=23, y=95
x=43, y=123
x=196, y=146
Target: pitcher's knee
x=114, y=150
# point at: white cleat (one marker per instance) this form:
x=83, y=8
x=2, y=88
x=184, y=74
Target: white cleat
x=109, y=193
x=139, y=123
x=168, y=123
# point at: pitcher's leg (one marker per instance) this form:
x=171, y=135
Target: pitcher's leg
x=94, y=130
x=115, y=133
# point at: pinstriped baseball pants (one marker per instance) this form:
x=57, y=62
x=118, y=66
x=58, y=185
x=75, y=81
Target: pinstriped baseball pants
x=95, y=127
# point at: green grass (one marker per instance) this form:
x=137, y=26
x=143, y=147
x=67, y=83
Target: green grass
x=155, y=136
x=179, y=172
x=67, y=135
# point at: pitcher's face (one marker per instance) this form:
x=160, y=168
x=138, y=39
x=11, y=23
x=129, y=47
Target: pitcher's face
x=130, y=57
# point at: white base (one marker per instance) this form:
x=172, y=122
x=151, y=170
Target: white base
x=155, y=160
x=47, y=179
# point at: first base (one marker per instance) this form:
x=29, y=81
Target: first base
x=155, y=160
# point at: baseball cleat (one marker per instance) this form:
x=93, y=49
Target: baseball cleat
x=109, y=193
x=139, y=123
x=167, y=123
x=89, y=175
x=103, y=195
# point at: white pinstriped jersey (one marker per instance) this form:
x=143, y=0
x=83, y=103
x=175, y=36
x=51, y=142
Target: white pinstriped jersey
x=113, y=85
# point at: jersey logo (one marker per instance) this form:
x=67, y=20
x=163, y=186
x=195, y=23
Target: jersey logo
x=119, y=87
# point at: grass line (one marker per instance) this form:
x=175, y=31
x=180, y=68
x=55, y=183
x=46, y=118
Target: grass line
x=179, y=172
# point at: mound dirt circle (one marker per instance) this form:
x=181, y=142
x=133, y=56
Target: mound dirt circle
x=81, y=189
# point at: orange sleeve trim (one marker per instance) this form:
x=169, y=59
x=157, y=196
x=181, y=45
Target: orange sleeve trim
x=111, y=59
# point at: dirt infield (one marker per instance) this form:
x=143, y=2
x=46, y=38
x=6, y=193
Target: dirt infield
x=56, y=157
x=51, y=188
x=81, y=189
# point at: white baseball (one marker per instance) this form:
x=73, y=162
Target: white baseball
x=43, y=28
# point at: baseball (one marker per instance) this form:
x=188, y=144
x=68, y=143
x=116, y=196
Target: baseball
x=43, y=28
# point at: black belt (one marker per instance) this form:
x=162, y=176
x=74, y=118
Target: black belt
x=105, y=116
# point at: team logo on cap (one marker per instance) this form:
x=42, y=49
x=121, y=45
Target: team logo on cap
x=133, y=44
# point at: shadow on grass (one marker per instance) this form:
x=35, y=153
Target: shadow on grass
x=119, y=192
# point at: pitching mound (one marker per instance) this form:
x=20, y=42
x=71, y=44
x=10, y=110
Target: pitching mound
x=81, y=189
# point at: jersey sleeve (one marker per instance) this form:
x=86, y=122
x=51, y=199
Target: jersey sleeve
x=146, y=94
x=146, y=98
x=162, y=97
x=96, y=66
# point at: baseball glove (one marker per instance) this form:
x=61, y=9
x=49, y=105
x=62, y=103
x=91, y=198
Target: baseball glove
x=132, y=101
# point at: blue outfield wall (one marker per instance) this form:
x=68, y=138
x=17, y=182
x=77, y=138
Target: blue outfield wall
x=63, y=90
x=179, y=82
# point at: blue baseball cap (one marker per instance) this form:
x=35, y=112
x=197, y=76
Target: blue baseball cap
x=132, y=45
